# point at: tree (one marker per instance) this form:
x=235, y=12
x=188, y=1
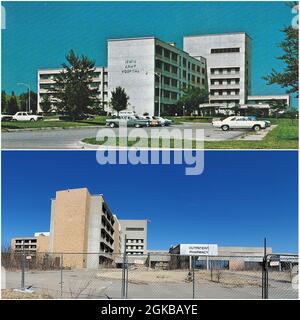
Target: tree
x=3, y=102
x=24, y=101
x=288, y=78
x=73, y=87
x=119, y=99
x=12, y=106
x=192, y=98
x=46, y=104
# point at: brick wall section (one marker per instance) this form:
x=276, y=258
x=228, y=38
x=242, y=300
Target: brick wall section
x=70, y=225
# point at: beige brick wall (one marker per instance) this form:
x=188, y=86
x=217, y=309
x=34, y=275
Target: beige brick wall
x=70, y=225
x=42, y=244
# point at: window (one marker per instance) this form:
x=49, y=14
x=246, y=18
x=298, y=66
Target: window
x=158, y=64
x=134, y=229
x=167, y=53
x=159, y=50
x=225, y=50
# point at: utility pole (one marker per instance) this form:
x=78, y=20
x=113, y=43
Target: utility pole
x=159, y=90
x=28, y=87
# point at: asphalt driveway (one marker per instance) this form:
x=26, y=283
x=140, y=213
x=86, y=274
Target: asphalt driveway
x=70, y=138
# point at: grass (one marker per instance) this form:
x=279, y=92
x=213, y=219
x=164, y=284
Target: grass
x=284, y=136
x=98, y=121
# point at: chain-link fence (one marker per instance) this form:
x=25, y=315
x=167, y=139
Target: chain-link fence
x=282, y=275
x=151, y=276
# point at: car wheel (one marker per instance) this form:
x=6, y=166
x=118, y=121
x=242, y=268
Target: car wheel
x=162, y=124
x=32, y=120
x=112, y=125
x=225, y=128
x=137, y=125
x=256, y=127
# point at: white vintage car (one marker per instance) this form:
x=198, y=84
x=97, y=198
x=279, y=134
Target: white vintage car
x=24, y=116
x=238, y=122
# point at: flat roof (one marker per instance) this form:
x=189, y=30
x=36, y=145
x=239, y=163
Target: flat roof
x=217, y=34
x=132, y=38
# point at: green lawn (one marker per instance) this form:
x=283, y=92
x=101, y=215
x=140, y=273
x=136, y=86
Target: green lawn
x=99, y=120
x=284, y=136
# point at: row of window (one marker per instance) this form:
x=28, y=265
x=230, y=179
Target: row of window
x=225, y=101
x=26, y=241
x=224, y=92
x=26, y=246
x=134, y=229
x=163, y=52
x=135, y=241
x=135, y=253
x=224, y=81
x=174, y=69
x=135, y=247
x=234, y=70
x=225, y=50
x=52, y=76
x=166, y=94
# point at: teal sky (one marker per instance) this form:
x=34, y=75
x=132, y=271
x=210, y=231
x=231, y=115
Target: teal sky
x=39, y=34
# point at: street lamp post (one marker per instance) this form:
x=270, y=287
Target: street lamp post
x=27, y=86
x=159, y=90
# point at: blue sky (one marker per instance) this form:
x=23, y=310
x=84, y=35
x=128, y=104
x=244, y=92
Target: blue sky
x=39, y=34
x=240, y=198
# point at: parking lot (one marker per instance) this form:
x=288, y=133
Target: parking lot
x=70, y=138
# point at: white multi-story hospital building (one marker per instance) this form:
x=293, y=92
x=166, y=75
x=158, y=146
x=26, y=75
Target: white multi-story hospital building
x=228, y=59
x=155, y=73
x=46, y=83
x=148, y=68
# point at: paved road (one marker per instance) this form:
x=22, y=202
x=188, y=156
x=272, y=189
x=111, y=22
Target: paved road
x=69, y=138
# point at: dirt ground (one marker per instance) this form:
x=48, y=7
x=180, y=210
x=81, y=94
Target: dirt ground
x=227, y=277
x=10, y=294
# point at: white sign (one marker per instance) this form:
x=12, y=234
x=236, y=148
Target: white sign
x=199, y=249
x=274, y=263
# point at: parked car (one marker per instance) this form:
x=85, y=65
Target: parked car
x=163, y=121
x=268, y=123
x=153, y=122
x=5, y=117
x=25, y=116
x=238, y=122
x=130, y=122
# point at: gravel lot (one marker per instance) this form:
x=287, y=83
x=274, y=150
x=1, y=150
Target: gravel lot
x=153, y=284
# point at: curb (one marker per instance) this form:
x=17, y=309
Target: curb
x=49, y=128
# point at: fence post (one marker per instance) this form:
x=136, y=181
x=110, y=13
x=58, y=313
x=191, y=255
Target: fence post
x=193, y=270
x=123, y=275
x=61, y=274
x=149, y=261
x=23, y=270
x=126, y=278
